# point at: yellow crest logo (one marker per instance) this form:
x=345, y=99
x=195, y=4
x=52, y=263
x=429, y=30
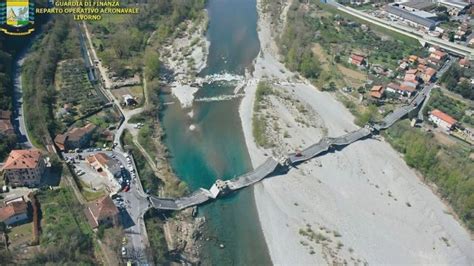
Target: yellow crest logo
x=17, y=17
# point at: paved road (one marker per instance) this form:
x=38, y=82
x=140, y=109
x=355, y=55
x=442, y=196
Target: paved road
x=423, y=37
x=137, y=203
x=18, y=107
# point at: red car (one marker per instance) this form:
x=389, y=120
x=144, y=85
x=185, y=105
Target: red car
x=126, y=189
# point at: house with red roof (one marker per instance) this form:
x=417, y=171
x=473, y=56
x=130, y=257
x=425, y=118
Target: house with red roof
x=24, y=168
x=442, y=120
x=102, y=212
x=78, y=137
x=437, y=56
x=464, y=63
x=377, y=92
x=15, y=212
x=357, y=59
x=428, y=74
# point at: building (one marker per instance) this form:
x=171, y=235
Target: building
x=76, y=138
x=442, y=120
x=428, y=74
x=437, y=56
x=455, y=7
x=14, y=212
x=409, y=16
x=377, y=92
x=411, y=75
x=102, y=212
x=464, y=63
x=358, y=60
x=24, y=168
x=408, y=88
x=405, y=90
x=413, y=58
x=6, y=127
x=102, y=163
x=129, y=100
x=418, y=4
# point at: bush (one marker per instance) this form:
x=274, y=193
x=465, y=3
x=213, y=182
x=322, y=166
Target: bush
x=450, y=168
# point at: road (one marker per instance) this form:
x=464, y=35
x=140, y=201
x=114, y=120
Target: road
x=411, y=32
x=439, y=74
x=18, y=107
x=136, y=203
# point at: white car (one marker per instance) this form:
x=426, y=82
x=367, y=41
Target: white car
x=124, y=251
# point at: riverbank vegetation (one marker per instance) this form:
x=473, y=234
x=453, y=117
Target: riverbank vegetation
x=154, y=227
x=457, y=80
x=121, y=40
x=449, y=168
x=339, y=35
x=258, y=119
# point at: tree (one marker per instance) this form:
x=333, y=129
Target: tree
x=152, y=64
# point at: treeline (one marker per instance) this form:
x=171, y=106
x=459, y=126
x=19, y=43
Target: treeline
x=453, y=81
x=7, y=143
x=121, y=42
x=450, y=168
x=5, y=77
x=59, y=41
x=296, y=43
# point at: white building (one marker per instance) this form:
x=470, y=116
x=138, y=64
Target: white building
x=14, y=212
x=442, y=120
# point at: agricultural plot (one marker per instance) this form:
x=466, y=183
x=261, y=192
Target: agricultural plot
x=76, y=95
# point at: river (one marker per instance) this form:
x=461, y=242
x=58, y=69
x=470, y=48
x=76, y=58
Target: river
x=216, y=148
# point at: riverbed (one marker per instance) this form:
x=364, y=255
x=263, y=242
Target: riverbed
x=206, y=140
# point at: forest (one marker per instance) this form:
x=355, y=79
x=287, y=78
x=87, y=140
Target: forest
x=457, y=80
x=6, y=142
x=121, y=40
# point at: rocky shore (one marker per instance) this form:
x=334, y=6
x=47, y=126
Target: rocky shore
x=362, y=204
x=186, y=56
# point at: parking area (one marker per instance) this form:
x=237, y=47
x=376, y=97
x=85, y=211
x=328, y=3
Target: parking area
x=103, y=169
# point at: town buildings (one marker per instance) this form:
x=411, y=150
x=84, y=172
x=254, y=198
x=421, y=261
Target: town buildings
x=24, y=168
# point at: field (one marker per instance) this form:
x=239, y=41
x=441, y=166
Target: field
x=66, y=236
x=75, y=90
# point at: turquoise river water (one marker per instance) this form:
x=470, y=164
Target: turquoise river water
x=216, y=148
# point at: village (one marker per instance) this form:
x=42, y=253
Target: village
x=412, y=74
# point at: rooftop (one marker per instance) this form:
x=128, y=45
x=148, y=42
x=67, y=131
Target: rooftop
x=405, y=14
x=12, y=209
x=102, y=209
x=22, y=159
x=5, y=115
x=445, y=117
